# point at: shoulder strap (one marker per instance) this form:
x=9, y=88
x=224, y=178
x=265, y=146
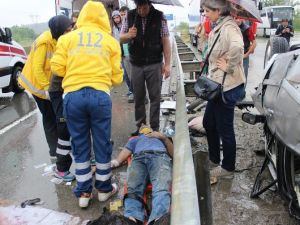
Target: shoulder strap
x=210, y=50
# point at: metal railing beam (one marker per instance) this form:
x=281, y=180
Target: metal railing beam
x=185, y=208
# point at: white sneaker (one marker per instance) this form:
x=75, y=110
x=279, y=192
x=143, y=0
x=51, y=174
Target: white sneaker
x=103, y=196
x=219, y=172
x=84, y=200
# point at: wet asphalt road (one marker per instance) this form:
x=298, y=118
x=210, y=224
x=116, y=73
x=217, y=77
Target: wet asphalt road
x=23, y=146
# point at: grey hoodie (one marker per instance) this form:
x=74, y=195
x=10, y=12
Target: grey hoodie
x=116, y=30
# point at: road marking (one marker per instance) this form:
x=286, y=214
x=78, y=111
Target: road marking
x=17, y=122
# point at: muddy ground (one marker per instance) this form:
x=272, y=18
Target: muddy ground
x=231, y=198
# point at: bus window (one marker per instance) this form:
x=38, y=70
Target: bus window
x=282, y=13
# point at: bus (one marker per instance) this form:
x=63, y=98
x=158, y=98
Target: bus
x=271, y=17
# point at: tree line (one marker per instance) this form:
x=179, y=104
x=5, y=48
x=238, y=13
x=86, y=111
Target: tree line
x=23, y=35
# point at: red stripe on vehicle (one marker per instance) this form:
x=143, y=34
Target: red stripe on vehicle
x=17, y=51
x=4, y=48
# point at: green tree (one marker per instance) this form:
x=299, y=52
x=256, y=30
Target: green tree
x=280, y=2
x=183, y=27
x=23, y=35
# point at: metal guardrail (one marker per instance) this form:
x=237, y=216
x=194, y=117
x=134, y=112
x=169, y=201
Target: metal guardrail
x=185, y=206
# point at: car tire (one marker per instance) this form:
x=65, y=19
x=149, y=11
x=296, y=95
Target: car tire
x=16, y=87
x=275, y=45
x=287, y=171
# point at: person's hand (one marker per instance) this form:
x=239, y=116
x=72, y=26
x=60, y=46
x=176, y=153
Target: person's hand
x=132, y=32
x=114, y=163
x=156, y=134
x=166, y=70
x=246, y=55
x=222, y=64
x=287, y=30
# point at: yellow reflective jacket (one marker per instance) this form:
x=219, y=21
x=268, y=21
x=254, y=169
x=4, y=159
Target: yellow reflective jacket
x=36, y=73
x=89, y=56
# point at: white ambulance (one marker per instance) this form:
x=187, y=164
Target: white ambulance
x=12, y=60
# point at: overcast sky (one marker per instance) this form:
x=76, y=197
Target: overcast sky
x=18, y=12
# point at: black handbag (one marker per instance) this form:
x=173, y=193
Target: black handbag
x=206, y=88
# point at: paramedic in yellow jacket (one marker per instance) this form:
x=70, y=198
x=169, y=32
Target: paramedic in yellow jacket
x=36, y=74
x=89, y=59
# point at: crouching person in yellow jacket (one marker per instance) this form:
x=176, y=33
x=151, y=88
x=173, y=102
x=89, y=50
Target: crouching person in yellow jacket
x=36, y=74
x=89, y=60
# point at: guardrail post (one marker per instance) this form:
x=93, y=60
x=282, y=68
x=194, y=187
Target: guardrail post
x=203, y=186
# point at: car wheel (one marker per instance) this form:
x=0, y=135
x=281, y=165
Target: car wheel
x=275, y=45
x=16, y=87
x=288, y=178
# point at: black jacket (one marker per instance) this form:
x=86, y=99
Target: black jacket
x=146, y=48
x=286, y=35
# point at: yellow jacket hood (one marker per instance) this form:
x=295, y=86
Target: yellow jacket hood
x=94, y=14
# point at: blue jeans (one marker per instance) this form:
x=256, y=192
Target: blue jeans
x=218, y=123
x=88, y=113
x=156, y=168
x=126, y=78
x=246, y=68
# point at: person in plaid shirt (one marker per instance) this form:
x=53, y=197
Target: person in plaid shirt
x=146, y=32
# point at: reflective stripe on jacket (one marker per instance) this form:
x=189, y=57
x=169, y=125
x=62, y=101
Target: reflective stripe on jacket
x=36, y=73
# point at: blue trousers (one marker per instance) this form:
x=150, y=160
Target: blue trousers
x=218, y=123
x=88, y=113
x=157, y=169
x=126, y=78
x=246, y=68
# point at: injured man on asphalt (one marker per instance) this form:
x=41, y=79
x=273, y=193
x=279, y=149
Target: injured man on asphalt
x=151, y=153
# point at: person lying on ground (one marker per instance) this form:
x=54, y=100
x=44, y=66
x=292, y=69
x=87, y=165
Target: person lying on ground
x=151, y=162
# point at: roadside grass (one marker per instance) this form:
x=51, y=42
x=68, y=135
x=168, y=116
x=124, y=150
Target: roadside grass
x=296, y=24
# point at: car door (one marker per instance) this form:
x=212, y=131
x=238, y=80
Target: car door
x=5, y=59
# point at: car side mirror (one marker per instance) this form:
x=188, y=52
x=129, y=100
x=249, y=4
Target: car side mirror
x=8, y=34
x=260, y=6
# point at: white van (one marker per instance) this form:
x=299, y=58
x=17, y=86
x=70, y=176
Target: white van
x=12, y=60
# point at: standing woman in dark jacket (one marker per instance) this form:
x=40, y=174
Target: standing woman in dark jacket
x=226, y=57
